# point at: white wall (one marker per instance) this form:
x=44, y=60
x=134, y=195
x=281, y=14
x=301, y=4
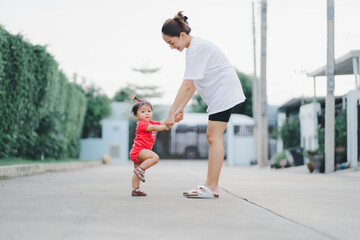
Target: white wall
x=114, y=142
x=240, y=147
x=92, y=148
x=281, y=120
x=308, y=125
x=352, y=127
x=115, y=137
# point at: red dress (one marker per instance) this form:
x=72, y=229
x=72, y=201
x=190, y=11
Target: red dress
x=143, y=140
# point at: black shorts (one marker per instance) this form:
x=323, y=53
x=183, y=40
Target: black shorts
x=223, y=116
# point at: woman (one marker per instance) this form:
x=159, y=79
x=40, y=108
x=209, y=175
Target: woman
x=209, y=73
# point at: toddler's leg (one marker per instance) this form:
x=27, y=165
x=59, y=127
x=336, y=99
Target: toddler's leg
x=135, y=179
x=148, y=158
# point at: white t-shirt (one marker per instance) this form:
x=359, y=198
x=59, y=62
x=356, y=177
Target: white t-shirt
x=214, y=77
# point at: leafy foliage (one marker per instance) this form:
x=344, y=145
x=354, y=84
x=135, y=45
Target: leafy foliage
x=289, y=132
x=198, y=105
x=340, y=132
x=246, y=107
x=41, y=112
x=143, y=92
x=320, y=133
x=276, y=158
x=98, y=108
x=341, y=129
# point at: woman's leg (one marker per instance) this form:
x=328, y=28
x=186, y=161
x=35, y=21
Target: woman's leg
x=215, y=131
x=135, y=179
x=148, y=158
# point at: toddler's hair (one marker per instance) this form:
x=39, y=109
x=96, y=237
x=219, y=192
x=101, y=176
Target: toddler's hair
x=139, y=104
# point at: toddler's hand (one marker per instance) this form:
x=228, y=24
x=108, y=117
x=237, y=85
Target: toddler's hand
x=179, y=116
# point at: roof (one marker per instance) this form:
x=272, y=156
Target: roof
x=343, y=65
x=296, y=103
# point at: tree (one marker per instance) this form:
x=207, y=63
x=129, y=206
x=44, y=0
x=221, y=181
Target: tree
x=143, y=92
x=341, y=129
x=124, y=94
x=246, y=82
x=198, y=105
x=98, y=108
x=289, y=133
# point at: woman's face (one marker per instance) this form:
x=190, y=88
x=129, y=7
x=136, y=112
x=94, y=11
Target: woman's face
x=178, y=43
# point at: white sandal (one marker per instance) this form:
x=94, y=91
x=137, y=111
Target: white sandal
x=191, y=191
x=202, y=192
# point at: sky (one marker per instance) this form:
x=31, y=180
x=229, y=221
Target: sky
x=103, y=40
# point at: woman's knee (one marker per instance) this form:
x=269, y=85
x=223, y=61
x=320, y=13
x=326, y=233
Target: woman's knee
x=210, y=138
x=213, y=138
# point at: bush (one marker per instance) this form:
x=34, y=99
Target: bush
x=41, y=112
x=340, y=133
x=276, y=158
x=289, y=133
x=341, y=129
x=98, y=108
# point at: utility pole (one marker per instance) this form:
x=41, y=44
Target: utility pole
x=263, y=119
x=255, y=92
x=330, y=99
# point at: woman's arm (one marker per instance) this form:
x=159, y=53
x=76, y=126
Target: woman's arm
x=179, y=115
x=185, y=92
x=187, y=99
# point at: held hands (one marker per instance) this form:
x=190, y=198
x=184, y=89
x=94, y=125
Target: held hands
x=179, y=116
x=172, y=119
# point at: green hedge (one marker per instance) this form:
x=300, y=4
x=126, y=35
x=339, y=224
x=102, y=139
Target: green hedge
x=41, y=113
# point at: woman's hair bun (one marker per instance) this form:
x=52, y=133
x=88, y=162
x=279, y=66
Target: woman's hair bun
x=181, y=19
x=174, y=26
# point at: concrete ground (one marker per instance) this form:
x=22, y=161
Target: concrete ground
x=254, y=203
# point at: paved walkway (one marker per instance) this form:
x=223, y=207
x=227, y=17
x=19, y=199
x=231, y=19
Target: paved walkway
x=254, y=203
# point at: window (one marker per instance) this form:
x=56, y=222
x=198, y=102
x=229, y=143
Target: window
x=243, y=130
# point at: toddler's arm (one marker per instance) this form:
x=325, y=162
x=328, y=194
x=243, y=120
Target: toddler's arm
x=157, y=128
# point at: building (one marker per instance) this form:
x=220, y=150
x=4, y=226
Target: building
x=114, y=140
x=347, y=65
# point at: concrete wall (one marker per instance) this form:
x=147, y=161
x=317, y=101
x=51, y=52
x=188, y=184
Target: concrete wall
x=114, y=142
x=308, y=125
x=115, y=137
x=352, y=127
x=240, y=140
x=281, y=120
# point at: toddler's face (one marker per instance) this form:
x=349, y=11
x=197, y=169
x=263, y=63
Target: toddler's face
x=144, y=113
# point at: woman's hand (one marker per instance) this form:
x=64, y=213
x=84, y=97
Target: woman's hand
x=170, y=121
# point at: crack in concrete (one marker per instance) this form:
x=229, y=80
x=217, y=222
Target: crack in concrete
x=271, y=211
x=279, y=215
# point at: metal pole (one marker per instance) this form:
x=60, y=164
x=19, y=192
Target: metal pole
x=330, y=99
x=358, y=68
x=315, y=116
x=314, y=100
x=356, y=72
x=263, y=120
x=255, y=94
